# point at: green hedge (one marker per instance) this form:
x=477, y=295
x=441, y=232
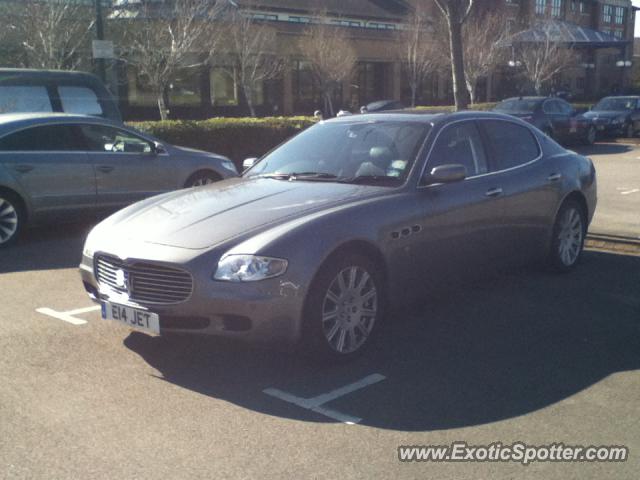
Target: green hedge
x=236, y=138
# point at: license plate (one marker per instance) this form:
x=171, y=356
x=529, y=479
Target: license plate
x=134, y=317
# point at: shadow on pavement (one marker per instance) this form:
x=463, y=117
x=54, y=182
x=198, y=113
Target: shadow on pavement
x=603, y=149
x=46, y=248
x=477, y=352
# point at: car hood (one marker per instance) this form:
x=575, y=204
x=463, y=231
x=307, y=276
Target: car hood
x=199, y=218
x=605, y=113
x=193, y=152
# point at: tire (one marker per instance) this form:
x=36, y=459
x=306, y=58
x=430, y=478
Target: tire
x=344, y=309
x=569, y=231
x=591, y=135
x=202, y=178
x=629, y=132
x=12, y=218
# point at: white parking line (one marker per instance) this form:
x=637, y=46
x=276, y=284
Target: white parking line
x=68, y=316
x=315, y=403
x=627, y=192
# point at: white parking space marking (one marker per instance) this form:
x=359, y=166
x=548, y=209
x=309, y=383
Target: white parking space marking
x=68, y=316
x=627, y=192
x=315, y=403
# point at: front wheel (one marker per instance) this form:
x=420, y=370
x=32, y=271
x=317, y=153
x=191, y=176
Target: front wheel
x=199, y=179
x=629, y=130
x=343, y=308
x=11, y=219
x=568, y=237
x=590, y=137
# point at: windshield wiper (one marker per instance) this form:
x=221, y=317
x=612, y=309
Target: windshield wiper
x=300, y=176
x=370, y=179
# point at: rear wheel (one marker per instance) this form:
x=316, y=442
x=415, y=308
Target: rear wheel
x=199, y=179
x=568, y=236
x=11, y=218
x=344, y=308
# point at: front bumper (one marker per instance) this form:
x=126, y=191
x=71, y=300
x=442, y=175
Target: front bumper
x=267, y=311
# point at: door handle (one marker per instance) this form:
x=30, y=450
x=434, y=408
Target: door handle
x=105, y=168
x=23, y=168
x=554, y=177
x=493, y=192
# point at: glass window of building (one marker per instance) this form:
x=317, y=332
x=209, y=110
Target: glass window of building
x=541, y=6
x=140, y=93
x=619, y=15
x=556, y=8
x=185, y=88
x=223, y=86
x=607, y=12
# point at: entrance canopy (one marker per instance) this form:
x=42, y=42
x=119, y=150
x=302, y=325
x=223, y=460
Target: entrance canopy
x=567, y=33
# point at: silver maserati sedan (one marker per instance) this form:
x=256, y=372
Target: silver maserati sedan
x=320, y=236
x=56, y=167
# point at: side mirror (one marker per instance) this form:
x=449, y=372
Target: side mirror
x=449, y=173
x=248, y=163
x=158, y=148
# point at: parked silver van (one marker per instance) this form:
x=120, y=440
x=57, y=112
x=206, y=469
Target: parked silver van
x=46, y=91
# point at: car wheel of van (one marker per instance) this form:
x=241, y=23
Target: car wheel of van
x=11, y=218
x=569, y=232
x=199, y=179
x=590, y=138
x=629, y=131
x=344, y=308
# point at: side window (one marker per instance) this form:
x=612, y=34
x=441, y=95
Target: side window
x=459, y=143
x=511, y=144
x=79, y=100
x=550, y=106
x=564, y=107
x=24, y=99
x=101, y=138
x=48, y=138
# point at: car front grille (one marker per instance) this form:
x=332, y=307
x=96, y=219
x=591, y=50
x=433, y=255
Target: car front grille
x=143, y=282
x=602, y=121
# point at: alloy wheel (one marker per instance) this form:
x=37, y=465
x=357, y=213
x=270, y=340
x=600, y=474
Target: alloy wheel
x=591, y=135
x=8, y=220
x=570, y=234
x=349, y=309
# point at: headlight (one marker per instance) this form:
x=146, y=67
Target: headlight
x=87, y=252
x=229, y=165
x=249, y=268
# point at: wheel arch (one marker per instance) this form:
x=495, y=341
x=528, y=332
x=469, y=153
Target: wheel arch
x=201, y=171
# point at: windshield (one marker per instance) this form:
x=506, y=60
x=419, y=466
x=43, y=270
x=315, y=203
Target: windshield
x=616, y=103
x=382, y=151
x=517, y=105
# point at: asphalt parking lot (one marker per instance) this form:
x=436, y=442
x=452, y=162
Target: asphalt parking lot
x=519, y=355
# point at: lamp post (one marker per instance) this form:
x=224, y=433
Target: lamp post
x=102, y=71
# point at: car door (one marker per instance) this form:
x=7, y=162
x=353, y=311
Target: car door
x=51, y=166
x=529, y=185
x=462, y=220
x=128, y=167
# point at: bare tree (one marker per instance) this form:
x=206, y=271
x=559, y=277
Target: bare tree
x=456, y=13
x=543, y=56
x=51, y=34
x=253, y=53
x=159, y=39
x=419, y=53
x=483, y=42
x=331, y=55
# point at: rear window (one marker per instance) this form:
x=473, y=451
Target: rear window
x=79, y=100
x=517, y=105
x=24, y=99
x=511, y=144
x=48, y=138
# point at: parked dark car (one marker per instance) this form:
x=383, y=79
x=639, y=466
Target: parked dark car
x=382, y=106
x=616, y=116
x=315, y=240
x=55, y=167
x=47, y=91
x=554, y=116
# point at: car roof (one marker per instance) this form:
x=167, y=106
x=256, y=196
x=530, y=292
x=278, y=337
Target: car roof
x=420, y=116
x=623, y=96
x=529, y=99
x=35, y=73
x=14, y=121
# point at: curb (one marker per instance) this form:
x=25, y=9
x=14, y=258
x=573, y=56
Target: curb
x=612, y=243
